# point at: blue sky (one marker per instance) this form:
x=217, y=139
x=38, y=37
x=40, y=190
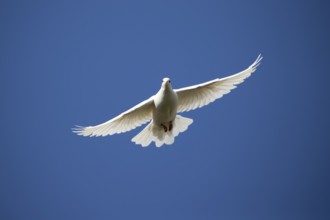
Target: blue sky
x=260, y=152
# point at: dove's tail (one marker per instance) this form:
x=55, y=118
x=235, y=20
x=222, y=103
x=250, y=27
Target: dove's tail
x=157, y=134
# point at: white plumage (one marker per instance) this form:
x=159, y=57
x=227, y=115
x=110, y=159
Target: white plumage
x=161, y=110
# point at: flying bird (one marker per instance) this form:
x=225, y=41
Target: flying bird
x=161, y=110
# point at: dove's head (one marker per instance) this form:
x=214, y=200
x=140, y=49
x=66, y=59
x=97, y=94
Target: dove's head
x=166, y=83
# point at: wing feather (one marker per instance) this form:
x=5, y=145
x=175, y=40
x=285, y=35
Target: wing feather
x=197, y=96
x=124, y=122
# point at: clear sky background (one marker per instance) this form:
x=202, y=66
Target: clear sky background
x=260, y=152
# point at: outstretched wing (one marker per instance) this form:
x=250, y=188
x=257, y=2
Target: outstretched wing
x=124, y=122
x=196, y=96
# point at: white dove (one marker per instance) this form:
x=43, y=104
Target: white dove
x=163, y=107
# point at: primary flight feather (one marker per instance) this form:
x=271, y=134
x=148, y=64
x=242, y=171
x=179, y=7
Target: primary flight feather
x=161, y=110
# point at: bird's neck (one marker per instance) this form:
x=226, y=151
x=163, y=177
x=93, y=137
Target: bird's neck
x=167, y=88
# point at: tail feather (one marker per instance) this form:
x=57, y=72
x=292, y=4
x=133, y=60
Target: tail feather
x=180, y=124
x=145, y=137
x=153, y=133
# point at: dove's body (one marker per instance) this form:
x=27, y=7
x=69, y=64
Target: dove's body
x=166, y=105
x=161, y=110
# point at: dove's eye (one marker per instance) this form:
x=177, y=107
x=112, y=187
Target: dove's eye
x=169, y=81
